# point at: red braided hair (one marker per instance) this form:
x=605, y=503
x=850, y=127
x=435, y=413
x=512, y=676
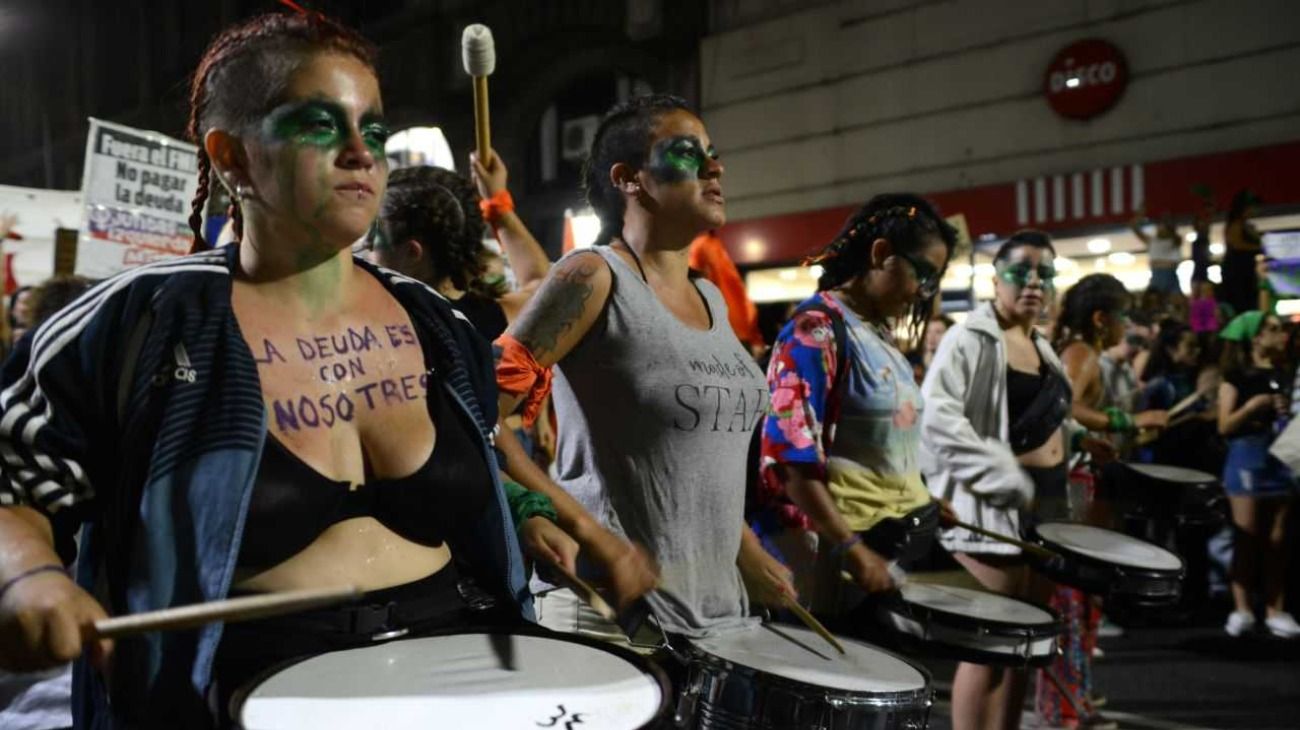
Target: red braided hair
x=242, y=74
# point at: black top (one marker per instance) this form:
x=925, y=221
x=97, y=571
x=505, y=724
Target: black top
x=1037, y=405
x=292, y=504
x=1250, y=383
x=485, y=314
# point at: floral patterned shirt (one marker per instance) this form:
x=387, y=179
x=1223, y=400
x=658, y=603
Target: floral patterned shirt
x=863, y=436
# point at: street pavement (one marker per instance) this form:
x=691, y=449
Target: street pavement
x=1160, y=677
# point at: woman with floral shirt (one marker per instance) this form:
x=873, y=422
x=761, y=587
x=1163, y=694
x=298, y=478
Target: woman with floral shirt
x=839, y=450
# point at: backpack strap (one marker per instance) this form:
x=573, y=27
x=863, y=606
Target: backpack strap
x=840, y=333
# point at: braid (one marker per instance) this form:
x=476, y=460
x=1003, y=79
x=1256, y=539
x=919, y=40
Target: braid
x=438, y=208
x=200, y=199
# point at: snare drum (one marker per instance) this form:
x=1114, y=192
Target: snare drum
x=1108, y=563
x=1173, y=493
x=972, y=625
x=785, y=678
x=459, y=681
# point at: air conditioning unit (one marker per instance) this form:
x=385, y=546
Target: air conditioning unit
x=576, y=135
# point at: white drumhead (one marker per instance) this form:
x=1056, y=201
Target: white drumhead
x=974, y=603
x=1176, y=474
x=455, y=681
x=1110, y=546
x=803, y=656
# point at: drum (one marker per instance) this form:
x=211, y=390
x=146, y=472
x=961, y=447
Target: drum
x=1173, y=494
x=785, y=678
x=462, y=680
x=971, y=625
x=1108, y=563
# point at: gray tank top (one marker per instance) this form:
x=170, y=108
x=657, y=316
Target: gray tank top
x=655, y=420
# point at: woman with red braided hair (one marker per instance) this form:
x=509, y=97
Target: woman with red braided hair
x=273, y=415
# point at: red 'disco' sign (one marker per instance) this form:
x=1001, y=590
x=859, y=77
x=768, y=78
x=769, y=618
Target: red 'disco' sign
x=1085, y=79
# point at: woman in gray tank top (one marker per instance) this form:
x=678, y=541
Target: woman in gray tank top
x=655, y=396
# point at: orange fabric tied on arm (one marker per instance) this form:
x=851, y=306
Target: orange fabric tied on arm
x=519, y=374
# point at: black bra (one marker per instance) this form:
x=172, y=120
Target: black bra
x=292, y=503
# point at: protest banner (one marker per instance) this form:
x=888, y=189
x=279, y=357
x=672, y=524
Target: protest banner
x=137, y=186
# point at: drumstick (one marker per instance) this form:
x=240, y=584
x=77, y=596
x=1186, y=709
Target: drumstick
x=1186, y=403
x=585, y=592
x=244, y=608
x=811, y=622
x=1029, y=547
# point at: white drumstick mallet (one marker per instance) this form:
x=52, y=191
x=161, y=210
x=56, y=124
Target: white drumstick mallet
x=480, y=55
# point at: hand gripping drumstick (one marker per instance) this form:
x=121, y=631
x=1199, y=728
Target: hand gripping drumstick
x=245, y=608
x=585, y=592
x=1147, y=435
x=480, y=56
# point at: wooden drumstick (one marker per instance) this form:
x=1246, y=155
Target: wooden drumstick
x=811, y=622
x=1187, y=402
x=244, y=608
x=1028, y=547
x=480, y=58
x=586, y=593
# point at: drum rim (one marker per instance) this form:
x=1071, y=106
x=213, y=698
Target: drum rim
x=1070, y=553
x=896, y=600
x=938, y=648
x=657, y=674
x=1135, y=468
x=902, y=699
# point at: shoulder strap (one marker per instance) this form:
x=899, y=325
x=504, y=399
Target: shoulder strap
x=840, y=332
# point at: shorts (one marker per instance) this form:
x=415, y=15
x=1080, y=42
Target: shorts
x=1250, y=471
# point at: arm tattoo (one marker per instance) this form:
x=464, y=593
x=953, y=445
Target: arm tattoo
x=556, y=308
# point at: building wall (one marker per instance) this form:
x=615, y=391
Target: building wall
x=828, y=106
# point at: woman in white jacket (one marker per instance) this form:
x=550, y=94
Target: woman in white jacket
x=993, y=443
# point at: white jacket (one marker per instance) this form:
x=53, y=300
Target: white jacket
x=965, y=446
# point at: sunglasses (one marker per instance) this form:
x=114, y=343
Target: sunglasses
x=927, y=274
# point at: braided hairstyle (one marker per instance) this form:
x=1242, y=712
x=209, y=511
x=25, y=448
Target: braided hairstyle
x=623, y=136
x=243, y=74
x=438, y=208
x=907, y=221
x=1093, y=293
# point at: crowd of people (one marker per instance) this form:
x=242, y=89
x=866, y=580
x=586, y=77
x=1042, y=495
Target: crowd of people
x=175, y=433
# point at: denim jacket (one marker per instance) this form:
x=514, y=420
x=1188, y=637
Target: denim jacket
x=137, y=413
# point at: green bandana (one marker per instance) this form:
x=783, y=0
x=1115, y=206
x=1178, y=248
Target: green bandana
x=1243, y=327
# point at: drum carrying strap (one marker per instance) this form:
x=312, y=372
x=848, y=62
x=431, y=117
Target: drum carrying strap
x=1044, y=415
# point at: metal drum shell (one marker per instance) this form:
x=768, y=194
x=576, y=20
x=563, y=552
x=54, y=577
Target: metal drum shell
x=896, y=605
x=715, y=686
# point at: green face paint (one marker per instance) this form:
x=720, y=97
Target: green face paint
x=324, y=124
x=1018, y=274
x=678, y=159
